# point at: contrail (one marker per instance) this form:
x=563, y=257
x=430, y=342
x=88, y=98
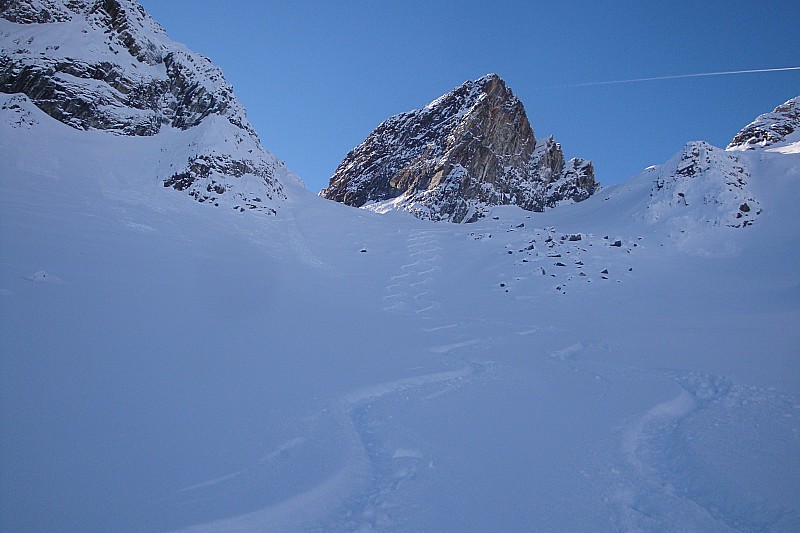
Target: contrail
x=675, y=77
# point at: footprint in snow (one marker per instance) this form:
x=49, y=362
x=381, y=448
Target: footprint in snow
x=43, y=277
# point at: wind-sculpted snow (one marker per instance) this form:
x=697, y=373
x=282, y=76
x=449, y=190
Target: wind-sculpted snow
x=107, y=65
x=704, y=433
x=463, y=153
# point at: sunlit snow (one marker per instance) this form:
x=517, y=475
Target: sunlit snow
x=167, y=365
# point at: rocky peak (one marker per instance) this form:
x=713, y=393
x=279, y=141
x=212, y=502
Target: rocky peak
x=466, y=151
x=770, y=128
x=107, y=65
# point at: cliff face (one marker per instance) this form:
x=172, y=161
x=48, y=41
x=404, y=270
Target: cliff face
x=107, y=65
x=466, y=151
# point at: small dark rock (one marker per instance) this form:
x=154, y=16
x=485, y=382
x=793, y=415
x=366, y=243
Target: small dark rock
x=604, y=271
x=618, y=244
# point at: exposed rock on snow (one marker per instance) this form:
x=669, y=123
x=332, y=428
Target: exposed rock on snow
x=19, y=116
x=770, y=128
x=107, y=65
x=466, y=151
x=706, y=184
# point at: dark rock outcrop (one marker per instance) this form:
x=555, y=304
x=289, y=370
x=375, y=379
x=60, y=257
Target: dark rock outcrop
x=770, y=128
x=113, y=68
x=463, y=153
x=38, y=11
x=98, y=91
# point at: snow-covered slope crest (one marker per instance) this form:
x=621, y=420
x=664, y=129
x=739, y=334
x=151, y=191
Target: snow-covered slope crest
x=774, y=129
x=468, y=150
x=705, y=184
x=107, y=65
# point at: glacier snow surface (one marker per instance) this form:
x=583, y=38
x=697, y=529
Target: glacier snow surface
x=171, y=366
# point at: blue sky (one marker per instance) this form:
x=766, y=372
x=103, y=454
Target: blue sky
x=318, y=77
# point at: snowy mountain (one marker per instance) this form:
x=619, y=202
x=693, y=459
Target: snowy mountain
x=106, y=65
x=454, y=159
x=623, y=363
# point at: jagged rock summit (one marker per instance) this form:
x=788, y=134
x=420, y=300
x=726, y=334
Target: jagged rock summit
x=780, y=126
x=107, y=65
x=452, y=160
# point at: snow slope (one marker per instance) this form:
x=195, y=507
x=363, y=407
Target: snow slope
x=170, y=367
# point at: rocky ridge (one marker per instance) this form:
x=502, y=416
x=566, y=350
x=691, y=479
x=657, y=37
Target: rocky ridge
x=107, y=65
x=709, y=185
x=770, y=128
x=469, y=150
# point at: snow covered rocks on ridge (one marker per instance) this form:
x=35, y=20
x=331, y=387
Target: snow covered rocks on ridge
x=704, y=184
x=779, y=127
x=107, y=65
x=454, y=159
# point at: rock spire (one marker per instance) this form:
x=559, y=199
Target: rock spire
x=469, y=150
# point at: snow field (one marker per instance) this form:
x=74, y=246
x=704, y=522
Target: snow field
x=168, y=366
